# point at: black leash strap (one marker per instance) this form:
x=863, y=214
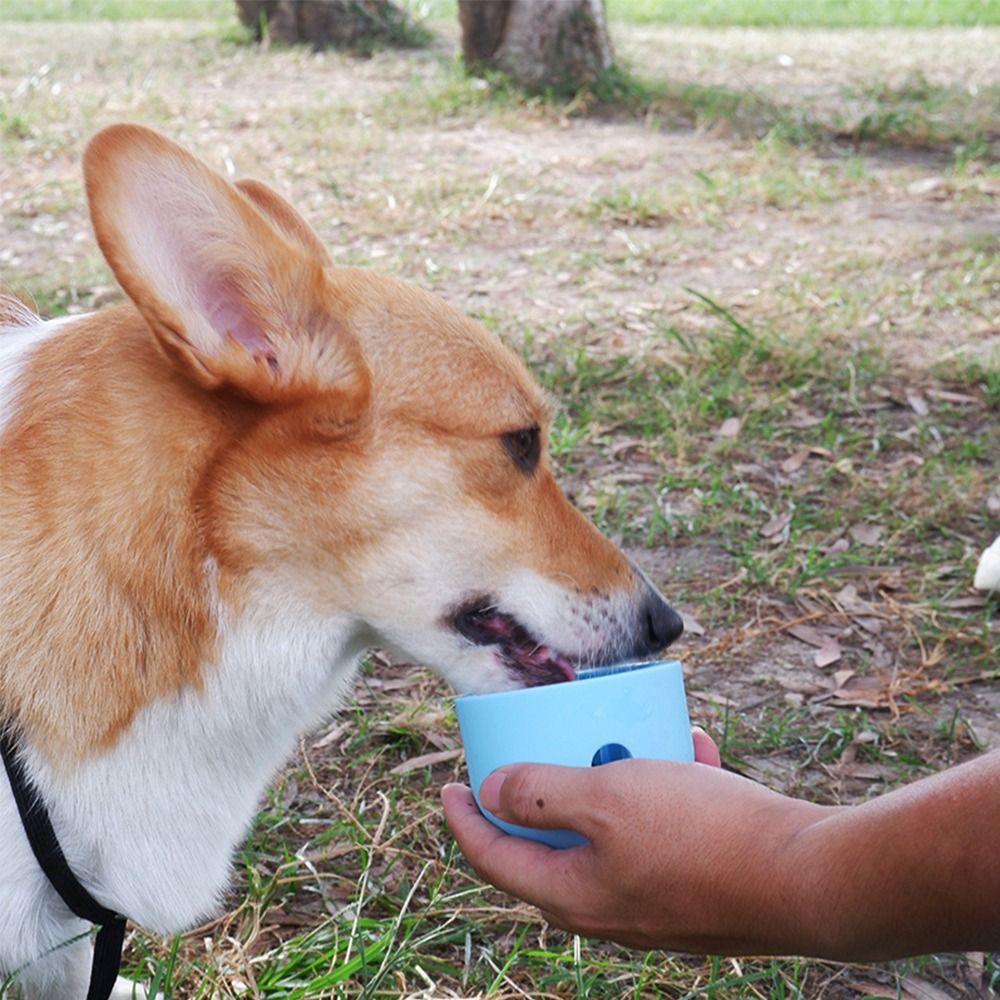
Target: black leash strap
x=44, y=845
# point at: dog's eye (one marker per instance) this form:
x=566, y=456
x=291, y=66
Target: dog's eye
x=524, y=447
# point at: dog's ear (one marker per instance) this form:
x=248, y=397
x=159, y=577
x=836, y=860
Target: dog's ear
x=231, y=297
x=291, y=225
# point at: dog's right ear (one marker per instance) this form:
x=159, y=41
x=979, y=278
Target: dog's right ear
x=235, y=297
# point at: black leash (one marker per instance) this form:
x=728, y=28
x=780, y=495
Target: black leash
x=44, y=845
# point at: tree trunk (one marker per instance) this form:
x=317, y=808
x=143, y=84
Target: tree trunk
x=346, y=24
x=558, y=44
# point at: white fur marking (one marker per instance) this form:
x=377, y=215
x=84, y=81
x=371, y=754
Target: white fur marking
x=150, y=827
x=16, y=346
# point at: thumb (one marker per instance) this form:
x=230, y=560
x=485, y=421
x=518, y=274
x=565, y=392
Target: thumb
x=544, y=795
x=705, y=750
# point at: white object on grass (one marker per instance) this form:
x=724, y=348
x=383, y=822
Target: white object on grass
x=988, y=572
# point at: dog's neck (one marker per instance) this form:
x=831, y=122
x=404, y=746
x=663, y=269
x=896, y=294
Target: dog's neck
x=151, y=824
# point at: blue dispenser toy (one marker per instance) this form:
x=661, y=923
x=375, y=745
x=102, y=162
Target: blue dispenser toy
x=606, y=714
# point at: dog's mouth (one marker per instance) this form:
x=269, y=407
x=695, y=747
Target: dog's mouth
x=532, y=662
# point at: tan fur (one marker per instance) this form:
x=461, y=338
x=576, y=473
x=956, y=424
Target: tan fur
x=105, y=437
x=289, y=222
x=136, y=455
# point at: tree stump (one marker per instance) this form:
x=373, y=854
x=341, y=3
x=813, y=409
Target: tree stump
x=541, y=44
x=360, y=25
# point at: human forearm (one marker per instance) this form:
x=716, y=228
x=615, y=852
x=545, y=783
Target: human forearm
x=690, y=858
x=914, y=871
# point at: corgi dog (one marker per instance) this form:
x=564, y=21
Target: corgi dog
x=213, y=499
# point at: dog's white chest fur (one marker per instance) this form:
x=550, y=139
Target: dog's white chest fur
x=151, y=825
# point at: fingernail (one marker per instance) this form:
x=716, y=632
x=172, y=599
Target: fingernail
x=489, y=791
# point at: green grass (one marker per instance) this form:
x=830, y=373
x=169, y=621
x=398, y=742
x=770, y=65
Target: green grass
x=912, y=115
x=711, y=13
x=807, y=13
x=675, y=398
x=348, y=884
x=113, y=10
x=786, y=13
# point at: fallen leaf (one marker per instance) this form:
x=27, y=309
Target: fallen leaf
x=328, y=852
x=868, y=623
x=867, y=772
x=920, y=989
x=867, y=692
x=841, y=677
x=975, y=960
x=960, y=603
x=925, y=185
x=776, y=525
x=440, y=740
x=730, y=427
x=392, y=683
x=808, y=635
x=798, y=686
x=808, y=606
x=624, y=478
x=917, y=403
x=426, y=760
x=802, y=418
x=333, y=735
x=881, y=654
x=291, y=790
x=875, y=990
x=691, y=625
x=959, y=398
x=795, y=461
x=627, y=445
x=828, y=653
x=847, y=598
x=865, y=683
x=865, y=534
x=713, y=699
x=840, y=545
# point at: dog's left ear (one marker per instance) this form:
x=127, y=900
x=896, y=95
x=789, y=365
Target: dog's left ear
x=232, y=283
x=288, y=221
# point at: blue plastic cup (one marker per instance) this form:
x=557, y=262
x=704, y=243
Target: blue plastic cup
x=607, y=714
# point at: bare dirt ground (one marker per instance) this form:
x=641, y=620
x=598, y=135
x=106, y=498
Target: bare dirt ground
x=870, y=276
x=477, y=202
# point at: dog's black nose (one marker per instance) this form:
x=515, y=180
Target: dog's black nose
x=659, y=625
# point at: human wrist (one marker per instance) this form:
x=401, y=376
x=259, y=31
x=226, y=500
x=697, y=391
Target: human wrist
x=801, y=854
x=822, y=855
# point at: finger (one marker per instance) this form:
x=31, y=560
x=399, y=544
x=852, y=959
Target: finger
x=705, y=750
x=524, y=868
x=546, y=796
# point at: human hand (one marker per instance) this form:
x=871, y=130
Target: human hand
x=680, y=856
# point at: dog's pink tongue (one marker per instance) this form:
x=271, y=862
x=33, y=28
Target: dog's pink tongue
x=564, y=664
x=544, y=655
